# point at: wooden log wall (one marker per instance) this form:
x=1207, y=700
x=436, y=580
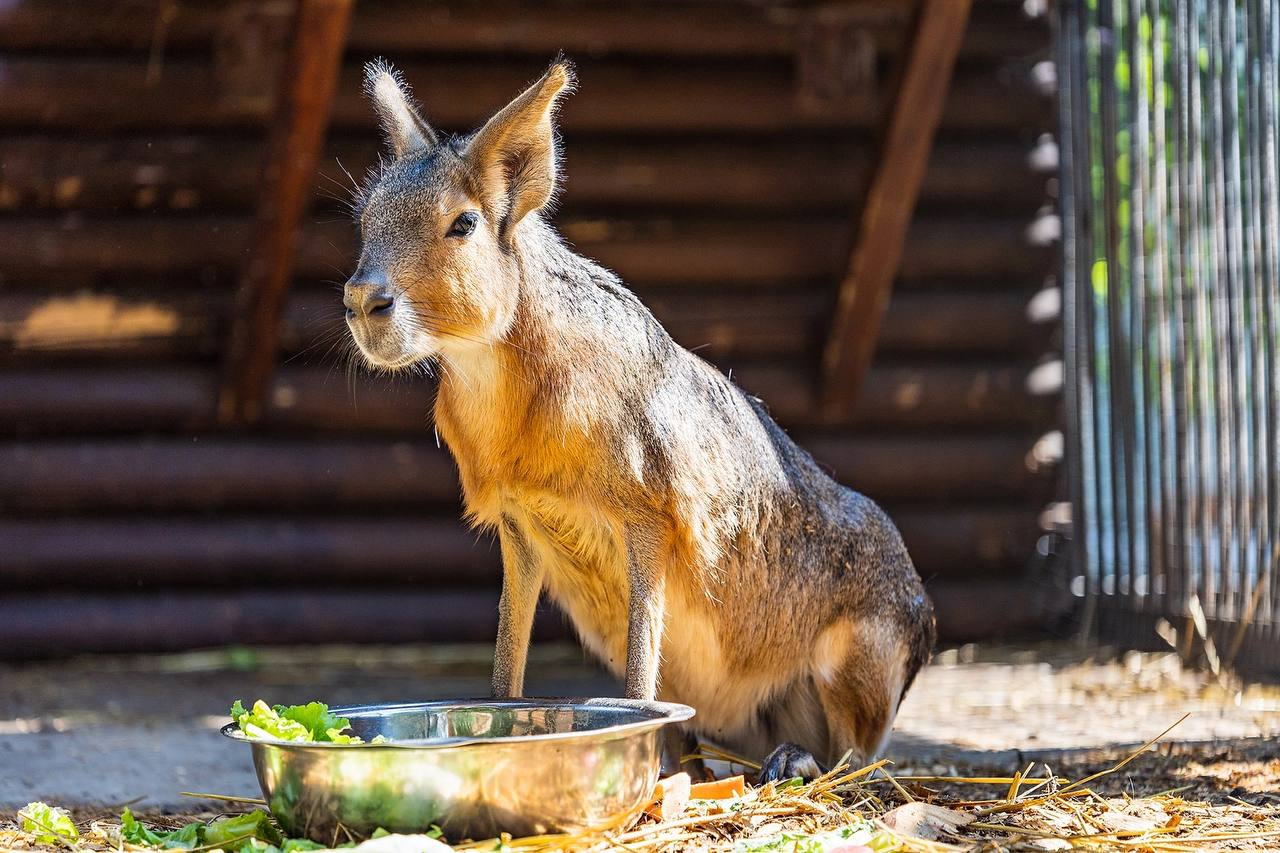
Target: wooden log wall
x=716, y=156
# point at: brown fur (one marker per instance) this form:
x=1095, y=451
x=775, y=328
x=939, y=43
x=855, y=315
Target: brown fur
x=698, y=552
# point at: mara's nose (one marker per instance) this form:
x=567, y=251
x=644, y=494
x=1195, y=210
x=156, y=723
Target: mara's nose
x=367, y=298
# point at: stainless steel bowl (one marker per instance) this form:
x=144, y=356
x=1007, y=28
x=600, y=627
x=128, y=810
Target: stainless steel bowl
x=476, y=768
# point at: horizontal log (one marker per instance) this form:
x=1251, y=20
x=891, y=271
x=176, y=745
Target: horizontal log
x=186, y=173
x=59, y=623
x=990, y=396
x=207, y=473
x=129, y=322
x=600, y=29
x=48, y=624
x=262, y=550
x=893, y=396
x=959, y=322
x=645, y=251
x=204, y=473
x=1004, y=609
x=175, y=322
x=786, y=320
x=315, y=399
x=119, y=94
x=373, y=549
x=182, y=324
x=165, y=399
x=923, y=468
x=716, y=323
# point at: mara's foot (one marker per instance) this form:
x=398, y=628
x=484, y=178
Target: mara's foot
x=789, y=761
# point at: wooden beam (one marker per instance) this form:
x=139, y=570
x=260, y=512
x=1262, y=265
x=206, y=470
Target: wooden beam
x=99, y=95
x=268, y=549
x=931, y=395
x=582, y=30
x=34, y=624
x=650, y=252
x=310, y=74
x=891, y=197
x=242, y=474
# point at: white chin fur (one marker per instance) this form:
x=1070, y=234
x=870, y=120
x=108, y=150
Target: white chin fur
x=397, y=357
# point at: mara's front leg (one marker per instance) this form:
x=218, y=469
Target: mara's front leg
x=645, y=607
x=521, y=585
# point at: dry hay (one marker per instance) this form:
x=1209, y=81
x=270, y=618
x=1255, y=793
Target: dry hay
x=911, y=812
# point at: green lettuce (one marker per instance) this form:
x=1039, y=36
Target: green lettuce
x=191, y=835
x=227, y=832
x=310, y=723
x=252, y=831
x=50, y=825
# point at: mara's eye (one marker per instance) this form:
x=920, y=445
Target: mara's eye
x=464, y=224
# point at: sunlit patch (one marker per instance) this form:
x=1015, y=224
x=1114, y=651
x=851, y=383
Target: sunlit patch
x=90, y=319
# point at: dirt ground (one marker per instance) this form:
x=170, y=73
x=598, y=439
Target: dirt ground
x=96, y=733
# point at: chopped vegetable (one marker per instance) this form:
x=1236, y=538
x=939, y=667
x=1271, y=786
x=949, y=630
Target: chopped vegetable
x=49, y=824
x=310, y=723
x=720, y=789
x=860, y=836
x=670, y=796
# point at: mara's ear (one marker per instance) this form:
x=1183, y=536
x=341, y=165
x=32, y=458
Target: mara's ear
x=406, y=131
x=513, y=157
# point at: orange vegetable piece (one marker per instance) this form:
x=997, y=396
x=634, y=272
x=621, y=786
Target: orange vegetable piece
x=720, y=789
x=670, y=796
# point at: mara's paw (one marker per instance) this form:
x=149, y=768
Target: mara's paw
x=789, y=761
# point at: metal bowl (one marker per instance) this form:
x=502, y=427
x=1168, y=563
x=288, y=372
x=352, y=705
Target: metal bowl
x=475, y=768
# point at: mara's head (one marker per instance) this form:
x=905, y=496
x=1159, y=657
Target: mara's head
x=439, y=222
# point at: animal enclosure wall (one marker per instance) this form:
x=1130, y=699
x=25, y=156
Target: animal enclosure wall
x=716, y=156
x=1173, y=259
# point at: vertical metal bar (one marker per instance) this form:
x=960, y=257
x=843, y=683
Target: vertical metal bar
x=1067, y=36
x=1180, y=377
x=1143, y=494
x=1116, y=451
x=1167, y=558
x=1226, y=218
x=1097, y=452
x=1200, y=402
x=1268, y=86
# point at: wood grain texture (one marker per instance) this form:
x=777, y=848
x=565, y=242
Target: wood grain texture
x=297, y=134
x=863, y=294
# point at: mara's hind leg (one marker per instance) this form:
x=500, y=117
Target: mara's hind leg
x=859, y=672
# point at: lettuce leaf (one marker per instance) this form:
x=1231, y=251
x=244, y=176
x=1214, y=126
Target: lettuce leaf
x=49, y=824
x=252, y=831
x=191, y=835
x=310, y=723
x=227, y=832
